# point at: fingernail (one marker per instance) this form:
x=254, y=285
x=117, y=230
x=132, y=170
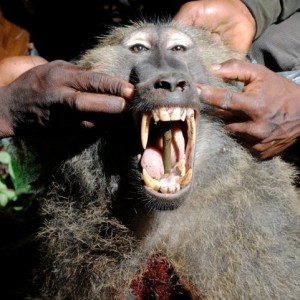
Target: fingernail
x=215, y=67
x=129, y=92
x=199, y=90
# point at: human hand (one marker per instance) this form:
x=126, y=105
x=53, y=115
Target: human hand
x=265, y=114
x=58, y=96
x=229, y=20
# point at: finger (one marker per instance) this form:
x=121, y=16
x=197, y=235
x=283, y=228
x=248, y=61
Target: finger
x=96, y=103
x=87, y=125
x=224, y=114
x=239, y=70
x=271, y=149
x=248, y=129
x=225, y=99
x=104, y=83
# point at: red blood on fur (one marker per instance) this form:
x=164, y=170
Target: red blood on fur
x=158, y=281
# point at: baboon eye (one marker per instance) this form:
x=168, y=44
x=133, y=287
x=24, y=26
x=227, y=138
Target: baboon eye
x=138, y=48
x=178, y=48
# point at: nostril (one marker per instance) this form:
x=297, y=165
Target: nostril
x=163, y=84
x=182, y=85
x=170, y=84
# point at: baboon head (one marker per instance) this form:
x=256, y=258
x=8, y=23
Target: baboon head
x=164, y=62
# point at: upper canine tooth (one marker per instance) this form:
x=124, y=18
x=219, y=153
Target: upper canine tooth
x=191, y=128
x=164, y=114
x=175, y=115
x=146, y=118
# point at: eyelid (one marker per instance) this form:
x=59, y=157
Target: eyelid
x=132, y=42
x=137, y=45
x=179, y=39
x=183, y=47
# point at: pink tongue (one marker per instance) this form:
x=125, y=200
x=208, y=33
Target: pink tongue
x=152, y=157
x=153, y=163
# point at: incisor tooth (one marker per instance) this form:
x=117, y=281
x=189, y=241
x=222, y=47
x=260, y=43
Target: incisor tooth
x=149, y=181
x=174, y=188
x=146, y=118
x=183, y=114
x=175, y=115
x=155, y=115
x=164, y=114
x=164, y=189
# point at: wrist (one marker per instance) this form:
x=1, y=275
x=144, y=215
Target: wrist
x=248, y=13
x=265, y=13
x=6, y=121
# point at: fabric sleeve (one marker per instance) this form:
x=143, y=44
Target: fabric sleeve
x=267, y=12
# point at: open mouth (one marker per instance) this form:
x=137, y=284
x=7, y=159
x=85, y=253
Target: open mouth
x=168, y=137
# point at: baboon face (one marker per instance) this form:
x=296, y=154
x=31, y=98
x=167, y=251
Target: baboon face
x=164, y=63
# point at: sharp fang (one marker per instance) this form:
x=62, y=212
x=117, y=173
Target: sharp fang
x=191, y=128
x=146, y=118
x=149, y=181
x=183, y=114
x=186, y=178
x=181, y=166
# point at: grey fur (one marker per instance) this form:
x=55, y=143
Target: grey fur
x=236, y=236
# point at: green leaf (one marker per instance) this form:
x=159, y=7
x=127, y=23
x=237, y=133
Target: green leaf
x=3, y=200
x=7, y=195
x=5, y=158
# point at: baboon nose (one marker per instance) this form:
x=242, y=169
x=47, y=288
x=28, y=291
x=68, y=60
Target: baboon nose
x=171, y=83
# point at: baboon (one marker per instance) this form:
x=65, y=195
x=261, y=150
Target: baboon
x=160, y=202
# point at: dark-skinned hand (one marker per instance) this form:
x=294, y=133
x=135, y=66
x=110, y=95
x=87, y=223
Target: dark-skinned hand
x=58, y=96
x=229, y=20
x=265, y=114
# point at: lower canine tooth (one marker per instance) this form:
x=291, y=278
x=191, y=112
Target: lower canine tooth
x=149, y=181
x=186, y=178
x=181, y=166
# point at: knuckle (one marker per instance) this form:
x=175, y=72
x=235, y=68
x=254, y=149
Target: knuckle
x=227, y=99
x=233, y=63
x=72, y=100
x=56, y=71
x=109, y=84
x=260, y=132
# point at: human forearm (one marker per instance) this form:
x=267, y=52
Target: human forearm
x=268, y=12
